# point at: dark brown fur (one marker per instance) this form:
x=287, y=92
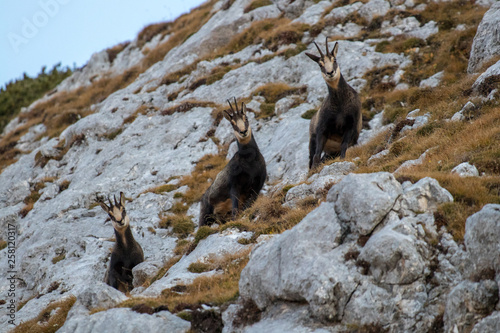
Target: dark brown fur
x=127, y=253
x=337, y=124
x=237, y=186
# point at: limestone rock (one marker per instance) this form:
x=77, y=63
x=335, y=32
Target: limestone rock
x=490, y=324
x=433, y=81
x=393, y=257
x=274, y=270
x=486, y=43
x=424, y=196
x=482, y=231
x=481, y=85
x=313, y=13
x=469, y=302
x=363, y=200
x=123, y=320
x=374, y=8
x=465, y=170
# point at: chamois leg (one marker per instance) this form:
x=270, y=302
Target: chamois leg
x=346, y=140
x=320, y=145
x=312, y=150
x=235, y=199
x=330, y=156
x=206, y=213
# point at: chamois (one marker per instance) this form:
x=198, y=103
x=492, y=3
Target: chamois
x=338, y=122
x=127, y=253
x=237, y=186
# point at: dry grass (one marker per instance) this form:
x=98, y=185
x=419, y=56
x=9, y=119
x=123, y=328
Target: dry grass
x=273, y=92
x=181, y=225
x=474, y=141
x=257, y=4
x=115, y=50
x=49, y=319
x=202, y=176
x=214, y=290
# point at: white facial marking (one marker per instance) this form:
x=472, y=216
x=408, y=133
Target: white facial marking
x=240, y=124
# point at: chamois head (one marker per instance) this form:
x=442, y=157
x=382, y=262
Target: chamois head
x=239, y=120
x=117, y=212
x=328, y=64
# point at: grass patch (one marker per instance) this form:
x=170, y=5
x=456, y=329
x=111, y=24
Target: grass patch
x=257, y=4
x=58, y=258
x=273, y=92
x=49, y=319
x=181, y=225
x=214, y=290
x=202, y=176
x=199, y=267
x=3, y=244
x=309, y=114
x=165, y=188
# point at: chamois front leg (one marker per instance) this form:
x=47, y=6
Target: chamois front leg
x=312, y=150
x=206, y=212
x=320, y=144
x=235, y=200
x=348, y=137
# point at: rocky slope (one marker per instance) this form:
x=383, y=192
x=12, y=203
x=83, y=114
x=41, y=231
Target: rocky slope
x=372, y=257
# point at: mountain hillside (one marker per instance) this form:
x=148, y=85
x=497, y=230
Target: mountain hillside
x=400, y=236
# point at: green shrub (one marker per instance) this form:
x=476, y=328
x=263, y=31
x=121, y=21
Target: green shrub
x=22, y=92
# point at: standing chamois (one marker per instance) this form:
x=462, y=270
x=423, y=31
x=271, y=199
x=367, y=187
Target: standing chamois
x=237, y=186
x=338, y=122
x=127, y=253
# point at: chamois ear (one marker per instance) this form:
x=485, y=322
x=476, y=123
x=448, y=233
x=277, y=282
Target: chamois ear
x=104, y=207
x=243, y=108
x=313, y=57
x=122, y=199
x=227, y=115
x=335, y=49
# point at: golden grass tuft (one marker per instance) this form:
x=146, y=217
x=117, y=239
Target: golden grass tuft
x=202, y=176
x=257, y=4
x=181, y=225
x=214, y=290
x=49, y=319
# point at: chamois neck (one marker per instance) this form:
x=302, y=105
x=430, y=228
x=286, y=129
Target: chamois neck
x=333, y=89
x=250, y=144
x=124, y=238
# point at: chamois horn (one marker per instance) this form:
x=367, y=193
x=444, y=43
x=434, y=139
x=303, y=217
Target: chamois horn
x=319, y=50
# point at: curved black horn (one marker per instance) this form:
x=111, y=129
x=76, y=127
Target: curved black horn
x=116, y=203
x=319, y=50
x=230, y=114
x=326, y=43
x=110, y=203
x=236, y=105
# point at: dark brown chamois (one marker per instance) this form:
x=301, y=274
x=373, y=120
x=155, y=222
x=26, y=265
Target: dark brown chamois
x=338, y=122
x=237, y=186
x=127, y=253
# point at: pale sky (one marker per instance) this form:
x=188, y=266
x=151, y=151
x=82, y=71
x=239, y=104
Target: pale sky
x=36, y=33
